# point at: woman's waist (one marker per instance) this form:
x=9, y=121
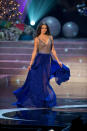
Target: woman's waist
x=44, y=52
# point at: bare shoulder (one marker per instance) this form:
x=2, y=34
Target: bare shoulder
x=36, y=39
x=51, y=37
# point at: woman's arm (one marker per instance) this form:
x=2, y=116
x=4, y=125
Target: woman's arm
x=54, y=52
x=34, y=52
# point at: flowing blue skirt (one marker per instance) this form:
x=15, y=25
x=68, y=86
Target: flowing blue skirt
x=36, y=90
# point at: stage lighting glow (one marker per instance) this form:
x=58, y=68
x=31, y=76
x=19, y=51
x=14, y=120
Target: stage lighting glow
x=22, y=8
x=38, y=9
x=80, y=60
x=16, y=60
x=18, y=81
x=24, y=67
x=66, y=49
x=51, y=130
x=32, y=22
x=79, y=75
x=22, y=5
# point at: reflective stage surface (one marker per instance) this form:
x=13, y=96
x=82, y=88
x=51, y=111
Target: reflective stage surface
x=58, y=118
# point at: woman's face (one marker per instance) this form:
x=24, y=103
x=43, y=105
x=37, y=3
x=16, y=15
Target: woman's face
x=43, y=29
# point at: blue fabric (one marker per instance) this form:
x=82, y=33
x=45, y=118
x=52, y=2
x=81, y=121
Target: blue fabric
x=36, y=90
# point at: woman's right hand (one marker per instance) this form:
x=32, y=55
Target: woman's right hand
x=60, y=63
x=29, y=67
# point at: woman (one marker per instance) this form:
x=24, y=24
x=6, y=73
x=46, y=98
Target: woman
x=36, y=91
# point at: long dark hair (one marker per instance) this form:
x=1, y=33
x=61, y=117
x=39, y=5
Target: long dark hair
x=38, y=31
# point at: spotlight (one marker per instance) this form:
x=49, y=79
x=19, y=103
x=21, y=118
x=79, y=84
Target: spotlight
x=32, y=22
x=36, y=10
x=51, y=130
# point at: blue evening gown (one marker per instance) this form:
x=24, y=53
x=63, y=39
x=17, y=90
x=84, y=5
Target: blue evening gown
x=36, y=90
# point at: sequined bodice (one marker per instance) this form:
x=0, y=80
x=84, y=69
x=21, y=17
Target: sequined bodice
x=45, y=47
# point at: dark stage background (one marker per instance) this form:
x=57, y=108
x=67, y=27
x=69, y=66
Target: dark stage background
x=66, y=10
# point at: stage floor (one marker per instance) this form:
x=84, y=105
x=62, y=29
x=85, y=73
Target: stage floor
x=58, y=118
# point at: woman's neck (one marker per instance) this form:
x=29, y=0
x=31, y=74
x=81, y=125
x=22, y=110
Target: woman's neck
x=43, y=34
